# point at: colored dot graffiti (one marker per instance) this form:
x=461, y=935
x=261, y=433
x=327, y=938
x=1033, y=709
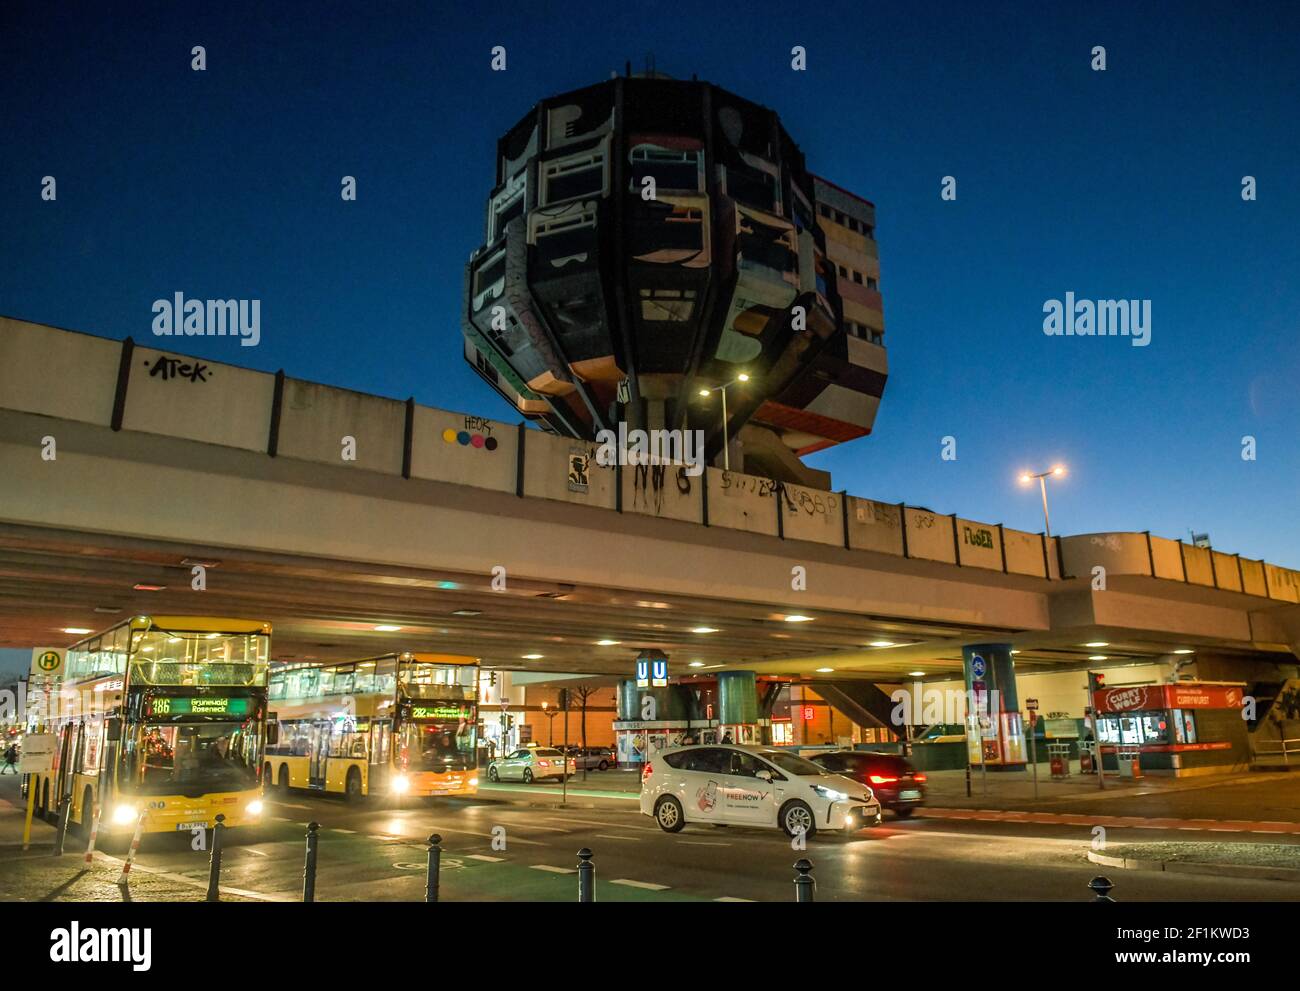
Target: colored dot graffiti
x=465, y=439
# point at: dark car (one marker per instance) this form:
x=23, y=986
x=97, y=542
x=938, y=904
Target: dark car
x=899, y=786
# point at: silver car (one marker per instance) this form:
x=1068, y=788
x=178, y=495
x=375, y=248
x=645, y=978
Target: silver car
x=530, y=764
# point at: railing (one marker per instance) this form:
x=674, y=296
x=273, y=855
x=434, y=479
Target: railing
x=1285, y=748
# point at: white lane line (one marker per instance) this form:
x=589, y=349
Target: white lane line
x=249, y=849
x=281, y=819
x=728, y=898
x=289, y=805
x=626, y=882
x=606, y=825
x=554, y=870
x=702, y=843
x=339, y=829
x=470, y=832
x=484, y=857
x=625, y=839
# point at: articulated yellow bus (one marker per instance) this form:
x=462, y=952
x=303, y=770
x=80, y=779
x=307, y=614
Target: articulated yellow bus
x=398, y=724
x=164, y=715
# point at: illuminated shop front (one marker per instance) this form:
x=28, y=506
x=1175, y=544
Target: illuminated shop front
x=1185, y=728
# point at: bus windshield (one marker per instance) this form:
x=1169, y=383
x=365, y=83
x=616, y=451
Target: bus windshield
x=436, y=746
x=190, y=758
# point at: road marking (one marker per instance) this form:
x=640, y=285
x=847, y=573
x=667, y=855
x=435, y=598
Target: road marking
x=281, y=819
x=339, y=829
x=606, y=825
x=626, y=882
x=702, y=843
x=554, y=870
x=484, y=857
x=625, y=839
x=289, y=805
x=728, y=898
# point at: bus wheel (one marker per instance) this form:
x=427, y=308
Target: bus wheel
x=284, y=779
x=352, y=791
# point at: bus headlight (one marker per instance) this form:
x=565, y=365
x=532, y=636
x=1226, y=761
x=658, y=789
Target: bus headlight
x=473, y=782
x=254, y=808
x=401, y=784
x=124, y=815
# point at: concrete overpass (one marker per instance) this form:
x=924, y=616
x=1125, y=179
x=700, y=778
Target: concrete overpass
x=330, y=513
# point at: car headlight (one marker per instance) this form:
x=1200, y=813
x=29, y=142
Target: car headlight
x=401, y=783
x=473, y=782
x=869, y=795
x=254, y=808
x=831, y=793
x=124, y=815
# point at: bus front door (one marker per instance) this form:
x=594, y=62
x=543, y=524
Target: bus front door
x=320, y=748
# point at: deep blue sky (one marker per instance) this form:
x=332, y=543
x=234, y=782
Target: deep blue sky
x=1123, y=183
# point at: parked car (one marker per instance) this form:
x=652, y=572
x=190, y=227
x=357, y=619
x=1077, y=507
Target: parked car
x=597, y=758
x=753, y=786
x=530, y=764
x=899, y=786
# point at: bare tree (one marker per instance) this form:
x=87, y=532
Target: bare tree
x=584, y=692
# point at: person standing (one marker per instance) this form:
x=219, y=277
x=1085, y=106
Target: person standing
x=11, y=759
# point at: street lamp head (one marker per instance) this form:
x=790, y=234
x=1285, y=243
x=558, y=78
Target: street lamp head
x=742, y=377
x=1025, y=478
x=704, y=392
x=1059, y=470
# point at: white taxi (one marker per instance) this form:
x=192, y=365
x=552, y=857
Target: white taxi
x=752, y=786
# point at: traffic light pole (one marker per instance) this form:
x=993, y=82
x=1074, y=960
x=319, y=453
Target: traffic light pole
x=1091, y=709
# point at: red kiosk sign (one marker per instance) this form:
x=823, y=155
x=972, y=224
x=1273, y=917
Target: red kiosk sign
x=1187, y=695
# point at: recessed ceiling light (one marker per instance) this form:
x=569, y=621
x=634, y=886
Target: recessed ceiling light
x=212, y=636
x=1015, y=652
x=108, y=609
x=1097, y=657
x=146, y=587
x=76, y=629
x=696, y=664
x=1097, y=643
x=467, y=612
x=881, y=643
x=704, y=629
x=533, y=657
x=796, y=618
x=915, y=674
x=387, y=629
x=1184, y=651
x=825, y=670
x=608, y=643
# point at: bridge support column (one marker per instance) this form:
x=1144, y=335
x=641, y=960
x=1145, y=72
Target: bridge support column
x=994, y=733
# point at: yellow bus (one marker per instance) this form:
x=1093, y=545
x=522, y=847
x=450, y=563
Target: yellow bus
x=397, y=724
x=164, y=715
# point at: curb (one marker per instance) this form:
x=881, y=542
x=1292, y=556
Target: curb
x=1181, y=867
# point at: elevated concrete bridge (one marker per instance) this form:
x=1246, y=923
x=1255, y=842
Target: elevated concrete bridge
x=331, y=513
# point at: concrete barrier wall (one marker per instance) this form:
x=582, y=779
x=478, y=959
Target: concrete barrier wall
x=979, y=545
x=56, y=372
x=929, y=535
x=875, y=526
x=812, y=515
x=59, y=373
x=566, y=470
x=742, y=502
x=200, y=400
x=315, y=420
x=463, y=450
x=1024, y=553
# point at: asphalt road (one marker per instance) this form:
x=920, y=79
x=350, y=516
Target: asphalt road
x=370, y=852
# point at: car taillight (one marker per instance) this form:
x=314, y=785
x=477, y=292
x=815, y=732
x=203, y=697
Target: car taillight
x=543, y=763
x=881, y=779
x=918, y=777
x=646, y=771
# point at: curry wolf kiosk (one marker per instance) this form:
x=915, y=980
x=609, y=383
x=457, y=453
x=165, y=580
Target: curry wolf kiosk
x=1181, y=728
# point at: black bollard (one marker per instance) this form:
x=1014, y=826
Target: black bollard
x=214, y=864
x=1101, y=886
x=586, y=876
x=803, y=880
x=435, y=865
x=968, y=780
x=309, y=869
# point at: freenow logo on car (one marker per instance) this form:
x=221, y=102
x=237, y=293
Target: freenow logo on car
x=77, y=945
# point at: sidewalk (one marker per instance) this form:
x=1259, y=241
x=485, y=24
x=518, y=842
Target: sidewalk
x=36, y=875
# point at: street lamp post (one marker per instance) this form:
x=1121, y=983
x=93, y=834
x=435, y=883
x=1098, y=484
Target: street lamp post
x=1042, y=477
x=726, y=447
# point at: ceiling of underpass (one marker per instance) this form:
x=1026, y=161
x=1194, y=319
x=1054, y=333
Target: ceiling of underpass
x=325, y=610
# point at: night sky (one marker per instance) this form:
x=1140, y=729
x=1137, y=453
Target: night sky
x=1117, y=184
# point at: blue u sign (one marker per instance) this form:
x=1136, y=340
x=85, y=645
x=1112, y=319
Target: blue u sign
x=977, y=666
x=660, y=670
x=642, y=672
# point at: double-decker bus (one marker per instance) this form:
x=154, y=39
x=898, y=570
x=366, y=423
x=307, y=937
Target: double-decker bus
x=164, y=715
x=397, y=724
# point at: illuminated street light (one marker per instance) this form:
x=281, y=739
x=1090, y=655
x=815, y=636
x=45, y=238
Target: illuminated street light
x=726, y=447
x=1027, y=477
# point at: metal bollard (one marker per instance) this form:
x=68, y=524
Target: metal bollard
x=132, y=850
x=804, y=885
x=214, y=863
x=1101, y=886
x=586, y=876
x=309, y=868
x=968, y=780
x=435, y=865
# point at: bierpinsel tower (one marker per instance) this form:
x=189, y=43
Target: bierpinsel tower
x=650, y=243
